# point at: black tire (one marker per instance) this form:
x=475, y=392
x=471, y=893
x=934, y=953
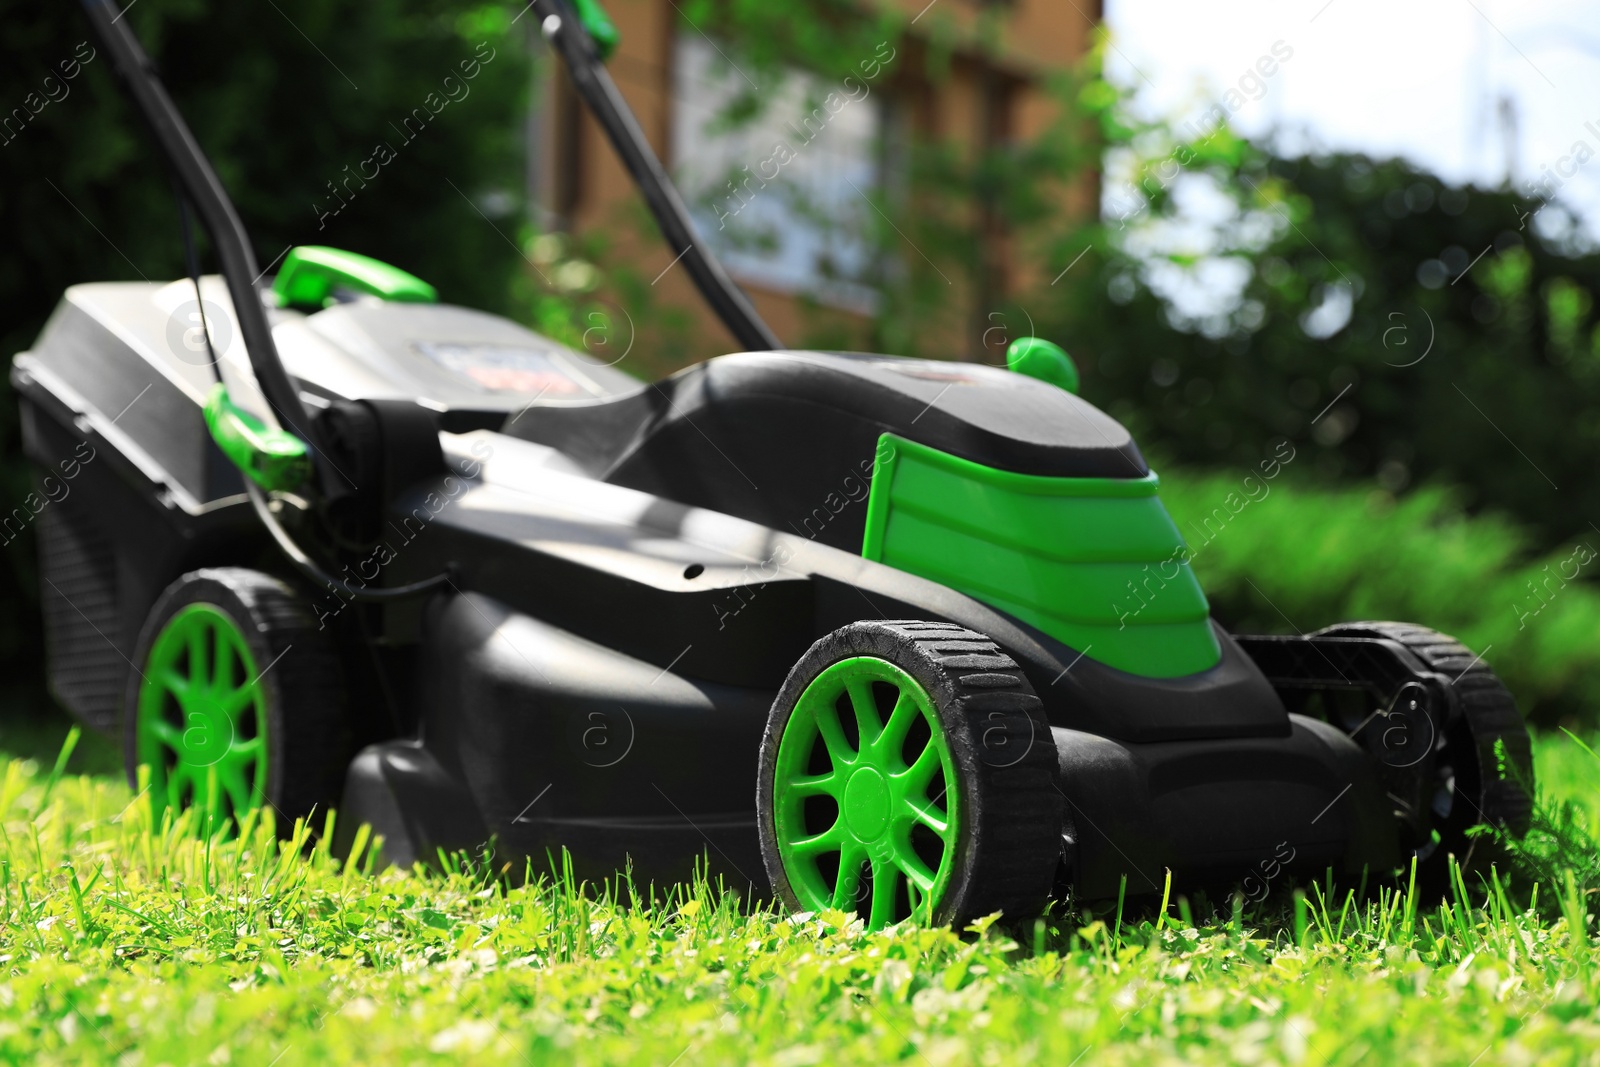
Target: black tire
x=1481, y=768
x=1008, y=846
x=309, y=737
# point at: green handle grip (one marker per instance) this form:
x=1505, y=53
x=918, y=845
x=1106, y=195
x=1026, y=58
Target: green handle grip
x=273, y=459
x=311, y=273
x=604, y=32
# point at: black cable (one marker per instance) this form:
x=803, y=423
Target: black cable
x=191, y=260
x=297, y=556
x=308, y=567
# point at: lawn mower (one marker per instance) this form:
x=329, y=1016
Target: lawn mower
x=895, y=636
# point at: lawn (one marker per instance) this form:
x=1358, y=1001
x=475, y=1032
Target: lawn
x=123, y=942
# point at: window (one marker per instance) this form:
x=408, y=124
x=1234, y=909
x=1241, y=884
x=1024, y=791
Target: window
x=780, y=197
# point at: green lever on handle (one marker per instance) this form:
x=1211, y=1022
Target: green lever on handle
x=273, y=459
x=601, y=29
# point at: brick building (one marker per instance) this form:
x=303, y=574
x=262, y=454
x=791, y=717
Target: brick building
x=758, y=190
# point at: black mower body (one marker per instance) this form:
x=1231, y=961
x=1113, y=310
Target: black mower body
x=634, y=569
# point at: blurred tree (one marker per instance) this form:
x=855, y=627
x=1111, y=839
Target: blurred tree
x=289, y=99
x=1405, y=329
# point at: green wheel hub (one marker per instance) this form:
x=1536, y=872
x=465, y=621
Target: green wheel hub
x=202, y=716
x=865, y=802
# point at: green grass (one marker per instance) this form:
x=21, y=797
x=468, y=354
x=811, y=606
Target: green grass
x=1565, y=771
x=125, y=942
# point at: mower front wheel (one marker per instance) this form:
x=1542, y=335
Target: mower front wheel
x=236, y=700
x=908, y=771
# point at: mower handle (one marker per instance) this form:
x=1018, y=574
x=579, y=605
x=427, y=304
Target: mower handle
x=567, y=28
x=199, y=183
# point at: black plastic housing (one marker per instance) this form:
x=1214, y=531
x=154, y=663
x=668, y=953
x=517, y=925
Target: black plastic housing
x=614, y=590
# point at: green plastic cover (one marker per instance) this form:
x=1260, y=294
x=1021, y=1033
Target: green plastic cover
x=1096, y=563
x=311, y=273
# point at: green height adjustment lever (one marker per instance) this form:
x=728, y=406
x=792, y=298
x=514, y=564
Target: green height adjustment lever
x=601, y=29
x=273, y=459
x=1038, y=358
x=311, y=273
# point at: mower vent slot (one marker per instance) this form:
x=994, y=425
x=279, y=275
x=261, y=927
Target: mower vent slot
x=79, y=596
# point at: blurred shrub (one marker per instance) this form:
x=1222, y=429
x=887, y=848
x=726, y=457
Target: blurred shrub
x=1399, y=328
x=1302, y=557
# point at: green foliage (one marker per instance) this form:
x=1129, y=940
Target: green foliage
x=283, y=118
x=1562, y=847
x=1402, y=328
x=611, y=313
x=1290, y=555
x=123, y=939
x=1568, y=773
x=825, y=36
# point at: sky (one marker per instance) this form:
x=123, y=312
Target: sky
x=1469, y=89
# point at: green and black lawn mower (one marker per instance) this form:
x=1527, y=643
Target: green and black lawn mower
x=843, y=627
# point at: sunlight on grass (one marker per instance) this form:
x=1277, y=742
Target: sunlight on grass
x=1567, y=768
x=134, y=942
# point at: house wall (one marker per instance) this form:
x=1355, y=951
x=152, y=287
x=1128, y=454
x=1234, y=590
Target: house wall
x=989, y=93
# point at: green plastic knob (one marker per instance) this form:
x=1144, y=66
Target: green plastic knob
x=1044, y=360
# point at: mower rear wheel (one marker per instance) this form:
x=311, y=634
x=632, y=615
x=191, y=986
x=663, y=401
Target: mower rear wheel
x=236, y=701
x=908, y=771
x=1477, y=767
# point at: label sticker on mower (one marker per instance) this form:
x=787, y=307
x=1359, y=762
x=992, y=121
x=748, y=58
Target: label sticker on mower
x=512, y=368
